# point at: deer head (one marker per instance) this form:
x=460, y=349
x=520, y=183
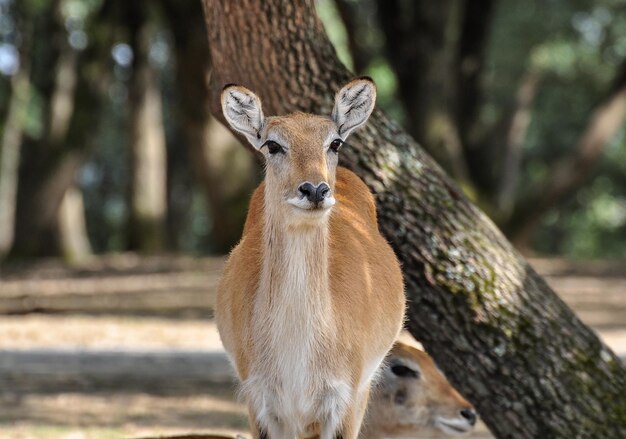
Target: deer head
x=301, y=150
x=415, y=394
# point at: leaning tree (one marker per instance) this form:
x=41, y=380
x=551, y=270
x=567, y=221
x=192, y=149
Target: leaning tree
x=497, y=330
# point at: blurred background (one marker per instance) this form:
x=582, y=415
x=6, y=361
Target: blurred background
x=119, y=192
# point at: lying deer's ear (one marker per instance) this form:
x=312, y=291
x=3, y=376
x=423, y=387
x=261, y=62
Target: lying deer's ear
x=353, y=105
x=243, y=112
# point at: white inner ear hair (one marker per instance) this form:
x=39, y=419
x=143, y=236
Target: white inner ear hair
x=353, y=106
x=244, y=113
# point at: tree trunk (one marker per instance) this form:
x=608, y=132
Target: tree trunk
x=469, y=62
x=10, y=157
x=48, y=170
x=72, y=228
x=507, y=189
x=226, y=175
x=47, y=166
x=148, y=192
x=500, y=334
x=479, y=157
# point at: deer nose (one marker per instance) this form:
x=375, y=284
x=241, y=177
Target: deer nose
x=470, y=415
x=314, y=194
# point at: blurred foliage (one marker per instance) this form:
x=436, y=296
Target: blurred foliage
x=575, y=45
x=377, y=68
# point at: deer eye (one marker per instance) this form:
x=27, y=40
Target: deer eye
x=273, y=147
x=335, y=145
x=403, y=371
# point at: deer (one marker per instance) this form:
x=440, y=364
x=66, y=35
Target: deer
x=312, y=297
x=413, y=398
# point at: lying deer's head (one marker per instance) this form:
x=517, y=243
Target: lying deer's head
x=415, y=396
x=301, y=150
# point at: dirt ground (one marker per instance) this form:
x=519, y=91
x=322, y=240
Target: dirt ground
x=126, y=347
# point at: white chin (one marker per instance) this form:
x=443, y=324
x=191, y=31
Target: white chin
x=306, y=207
x=453, y=427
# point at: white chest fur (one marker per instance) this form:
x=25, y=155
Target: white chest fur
x=293, y=332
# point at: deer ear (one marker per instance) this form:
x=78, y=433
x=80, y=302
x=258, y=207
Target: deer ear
x=242, y=110
x=353, y=105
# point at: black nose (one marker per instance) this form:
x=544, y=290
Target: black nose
x=314, y=194
x=470, y=415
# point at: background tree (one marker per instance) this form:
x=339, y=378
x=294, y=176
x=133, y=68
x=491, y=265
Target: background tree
x=535, y=369
x=225, y=173
x=12, y=138
x=147, y=137
x=51, y=157
x=572, y=170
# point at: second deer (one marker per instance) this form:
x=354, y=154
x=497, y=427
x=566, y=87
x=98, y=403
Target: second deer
x=413, y=399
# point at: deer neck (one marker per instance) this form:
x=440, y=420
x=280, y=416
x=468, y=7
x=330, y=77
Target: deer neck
x=295, y=265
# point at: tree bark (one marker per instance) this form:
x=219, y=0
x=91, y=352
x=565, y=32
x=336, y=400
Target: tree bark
x=148, y=192
x=497, y=330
